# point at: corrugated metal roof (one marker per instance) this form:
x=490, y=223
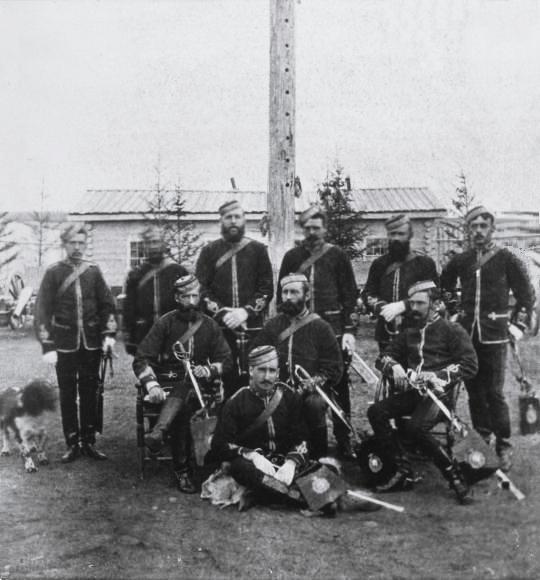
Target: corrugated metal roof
x=135, y=201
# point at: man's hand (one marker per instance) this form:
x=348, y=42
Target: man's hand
x=286, y=472
x=235, y=317
x=400, y=377
x=108, y=343
x=50, y=357
x=515, y=332
x=201, y=372
x=433, y=381
x=156, y=394
x=348, y=342
x=260, y=462
x=308, y=385
x=390, y=311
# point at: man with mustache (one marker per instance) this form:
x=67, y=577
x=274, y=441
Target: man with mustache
x=487, y=273
x=333, y=294
x=389, y=277
x=304, y=338
x=440, y=354
x=236, y=287
x=75, y=310
x=149, y=290
x=203, y=342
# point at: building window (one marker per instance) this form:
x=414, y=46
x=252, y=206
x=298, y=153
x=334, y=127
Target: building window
x=137, y=253
x=375, y=247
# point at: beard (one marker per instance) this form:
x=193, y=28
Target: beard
x=233, y=236
x=291, y=309
x=398, y=250
x=188, y=313
x=417, y=320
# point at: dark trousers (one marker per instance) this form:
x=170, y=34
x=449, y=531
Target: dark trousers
x=314, y=411
x=77, y=373
x=424, y=415
x=238, y=376
x=343, y=399
x=488, y=407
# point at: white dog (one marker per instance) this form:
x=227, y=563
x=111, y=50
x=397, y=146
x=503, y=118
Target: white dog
x=22, y=413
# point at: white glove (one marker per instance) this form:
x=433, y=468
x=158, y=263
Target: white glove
x=108, y=343
x=515, y=332
x=201, y=372
x=400, y=376
x=432, y=380
x=155, y=393
x=348, y=342
x=261, y=463
x=390, y=311
x=286, y=472
x=50, y=357
x=235, y=317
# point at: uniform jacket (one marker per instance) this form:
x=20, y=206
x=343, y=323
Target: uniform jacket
x=79, y=316
x=386, y=284
x=440, y=346
x=485, y=291
x=333, y=287
x=245, y=280
x=155, y=352
x=313, y=346
x=149, y=295
x=283, y=433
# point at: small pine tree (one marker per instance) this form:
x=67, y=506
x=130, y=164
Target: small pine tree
x=7, y=246
x=166, y=212
x=344, y=224
x=457, y=231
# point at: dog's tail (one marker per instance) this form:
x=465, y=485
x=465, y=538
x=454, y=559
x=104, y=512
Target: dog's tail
x=38, y=396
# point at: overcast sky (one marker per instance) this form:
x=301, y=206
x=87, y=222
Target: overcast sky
x=403, y=93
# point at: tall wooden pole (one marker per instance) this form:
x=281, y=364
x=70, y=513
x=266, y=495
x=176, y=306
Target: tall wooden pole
x=281, y=167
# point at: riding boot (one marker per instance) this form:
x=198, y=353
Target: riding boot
x=184, y=483
x=454, y=477
x=318, y=443
x=169, y=410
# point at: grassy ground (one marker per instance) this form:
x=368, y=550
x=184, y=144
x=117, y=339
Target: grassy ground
x=98, y=520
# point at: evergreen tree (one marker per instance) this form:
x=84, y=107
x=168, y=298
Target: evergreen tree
x=457, y=230
x=7, y=246
x=344, y=225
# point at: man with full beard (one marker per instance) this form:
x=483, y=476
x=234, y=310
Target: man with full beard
x=202, y=340
x=440, y=354
x=391, y=275
x=236, y=286
x=303, y=338
x=333, y=295
x=488, y=273
x=149, y=290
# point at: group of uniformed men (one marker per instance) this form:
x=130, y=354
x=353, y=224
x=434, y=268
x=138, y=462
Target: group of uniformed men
x=273, y=421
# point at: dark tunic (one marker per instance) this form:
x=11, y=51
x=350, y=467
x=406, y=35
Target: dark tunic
x=314, y=347
x=207, y=346
x=333, y=287
x=388, y=284
x=149, y=295
x=485, y=291
x=441, y=346
x=283, y=433
x=243, y=281
x=79, y=316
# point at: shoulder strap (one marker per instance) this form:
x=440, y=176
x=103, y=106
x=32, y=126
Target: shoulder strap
x=191, y=331
x=77, y=272
x=485, y=258
x=308, y=262
x=152, y=272
x=265, y=415
x=297, y=325
x=232, y=252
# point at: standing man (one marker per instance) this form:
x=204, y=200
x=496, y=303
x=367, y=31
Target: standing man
x=487, y=273
x=304, y=338
x=333, y=297
x=439, y=354
x=390, y=276
x=149, y=291
x=75, y=310
x=200, y=338
x=236, y=286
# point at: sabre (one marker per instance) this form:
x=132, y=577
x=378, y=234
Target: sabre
x=183, y=356
x=302, y=375
x=506, y=483
x=360, y=367
x=365, y=497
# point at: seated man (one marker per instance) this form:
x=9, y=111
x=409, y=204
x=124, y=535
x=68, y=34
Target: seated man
x=189, y=331
x=440, y=354
x=303, y=338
